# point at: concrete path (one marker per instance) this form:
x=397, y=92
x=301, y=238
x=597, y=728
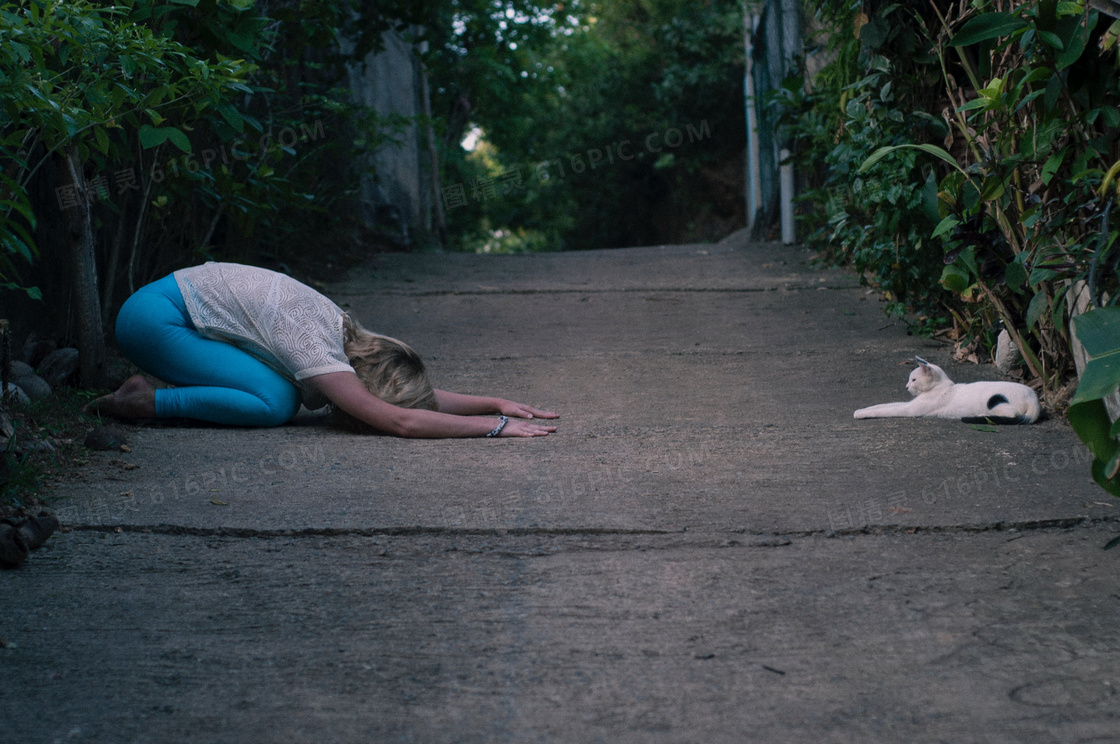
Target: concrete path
x=710, y=550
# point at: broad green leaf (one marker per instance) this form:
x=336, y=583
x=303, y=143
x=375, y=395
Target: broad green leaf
x=1036, y=75
x=994, y=89
x=246, y=42
x=1052, y=40
x=1014, y=275
x=1090, y=421
x=232, y=116
x=967, y=261
x=1100, y=475
x=1035, y=309
x=253, y=122
x=1052, y=164
x=1099, y=332
x=152, y=136
x=1053, y=91
x=18, y=240
x=1058, y=307
x=18, y=198
x=975, y=103
x=1113, y=466
x=1110, y=36
x=882, y=152
x=945, y=226
x=155, y=136
x=993, y=189
x=1041, y=274
x=954, y=279
x=1075, y=37
x=929, y=199
x=33, y=292
x=102, y=139
x=1030, y=97
x=971, y=196
x=988, y=26
x=875, y=32
x=21, y=51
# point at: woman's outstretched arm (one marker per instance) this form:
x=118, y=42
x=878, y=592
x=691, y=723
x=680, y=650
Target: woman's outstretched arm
x=346, y=391
x=473, y=405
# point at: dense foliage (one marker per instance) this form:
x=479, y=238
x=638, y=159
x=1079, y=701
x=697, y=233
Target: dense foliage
x=223, y=128
x=879, y=91
x=198, y=128
x=972, y=168
x=1000, y=211
x=1094, y=411
x=602, y=124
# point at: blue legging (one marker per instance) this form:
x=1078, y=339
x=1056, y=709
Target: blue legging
x=215, y=381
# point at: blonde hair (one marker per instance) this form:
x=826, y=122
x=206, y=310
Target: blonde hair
x=390, y=369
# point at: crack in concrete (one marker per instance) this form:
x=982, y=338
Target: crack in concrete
x=612, y=290
x=1036, y=525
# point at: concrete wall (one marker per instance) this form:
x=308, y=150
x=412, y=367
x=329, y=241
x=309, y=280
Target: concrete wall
x=399, y=192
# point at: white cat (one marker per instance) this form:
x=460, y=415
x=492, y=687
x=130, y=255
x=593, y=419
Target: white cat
x=937, y=396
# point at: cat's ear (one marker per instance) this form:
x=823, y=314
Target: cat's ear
x=921, y=361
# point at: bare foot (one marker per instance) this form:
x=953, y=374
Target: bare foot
x=136, y=398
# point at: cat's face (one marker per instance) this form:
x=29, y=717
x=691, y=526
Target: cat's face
x=924, y=378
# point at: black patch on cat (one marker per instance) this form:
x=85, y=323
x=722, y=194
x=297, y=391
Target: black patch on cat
x=995, y=400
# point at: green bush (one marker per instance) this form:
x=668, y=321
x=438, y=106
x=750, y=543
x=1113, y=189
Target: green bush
x=1003, y=215
x=1099, y=331
x=567, y=96
x=996, y=215
x=204, y=128
x=873, y=94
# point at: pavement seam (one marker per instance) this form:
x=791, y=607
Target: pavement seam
x=1034, y=525
x=615, y=290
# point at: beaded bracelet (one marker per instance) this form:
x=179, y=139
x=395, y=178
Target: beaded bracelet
x=502, y=421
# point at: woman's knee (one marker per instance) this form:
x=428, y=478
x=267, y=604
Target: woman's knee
x=281, y=404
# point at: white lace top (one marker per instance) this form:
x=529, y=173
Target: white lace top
x=284, y=323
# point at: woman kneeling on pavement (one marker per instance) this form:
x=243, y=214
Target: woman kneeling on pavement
x=246, y=346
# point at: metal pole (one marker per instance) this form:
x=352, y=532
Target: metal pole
x=753, y=198
x=789, y=235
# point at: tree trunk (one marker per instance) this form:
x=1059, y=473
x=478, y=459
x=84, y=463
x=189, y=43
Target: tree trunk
x=83, y=271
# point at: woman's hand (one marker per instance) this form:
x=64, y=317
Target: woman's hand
x=520, y=427
x=474, y=405
x=522, y=411
x=465, y=419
